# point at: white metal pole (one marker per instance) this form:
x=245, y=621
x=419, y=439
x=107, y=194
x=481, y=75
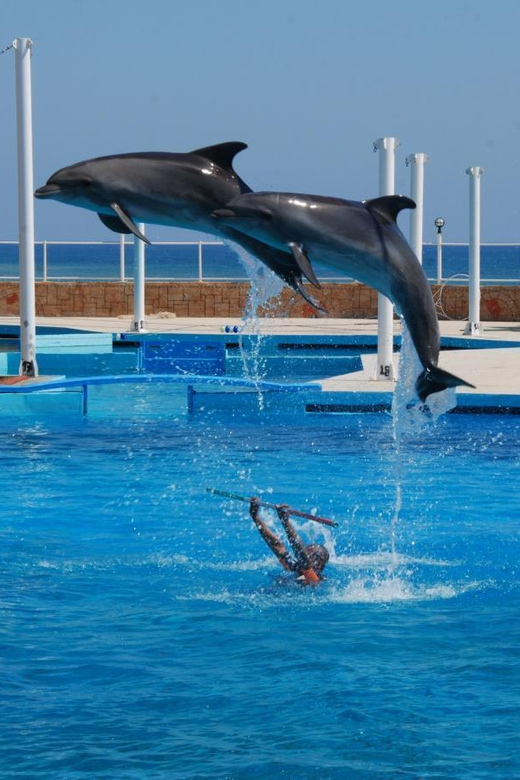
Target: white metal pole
x=28, y=364
x=417, y=163
x=473, y=328
x=139, y=277
x=439, y=256
x=385, y=311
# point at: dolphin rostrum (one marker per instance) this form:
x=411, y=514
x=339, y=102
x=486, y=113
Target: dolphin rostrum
x=177, y=189
x=362, y=240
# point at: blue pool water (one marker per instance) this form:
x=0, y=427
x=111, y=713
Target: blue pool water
x=147, y=633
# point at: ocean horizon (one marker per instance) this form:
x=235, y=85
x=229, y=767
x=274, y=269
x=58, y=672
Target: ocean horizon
x=100, y=261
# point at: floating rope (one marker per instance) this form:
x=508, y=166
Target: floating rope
x=6, y=48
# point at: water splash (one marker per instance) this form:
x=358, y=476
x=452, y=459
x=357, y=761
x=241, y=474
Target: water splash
x=410, y=416
x=265, y=284
x=410, y=419
x=380, y=560
x=358, y=590
x=390, y=590
x=264, y=291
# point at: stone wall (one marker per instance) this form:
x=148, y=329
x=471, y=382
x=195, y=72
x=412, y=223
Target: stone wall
x=229, y=299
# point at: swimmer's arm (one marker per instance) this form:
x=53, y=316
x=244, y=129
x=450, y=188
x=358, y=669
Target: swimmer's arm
x=295, y=540
x=273, y=542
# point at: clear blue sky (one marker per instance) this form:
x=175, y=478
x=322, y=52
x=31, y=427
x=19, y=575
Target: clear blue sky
x=307, y=85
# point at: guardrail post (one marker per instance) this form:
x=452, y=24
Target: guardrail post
x=44, y=250
x=385, y=311
x=28, y=364
x=200, y=260
x=473, y=328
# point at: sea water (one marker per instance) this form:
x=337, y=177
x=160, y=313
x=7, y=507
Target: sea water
x=147, y=632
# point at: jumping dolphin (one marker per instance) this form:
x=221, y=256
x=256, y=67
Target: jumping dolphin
x=362, y=240
x=178, y=189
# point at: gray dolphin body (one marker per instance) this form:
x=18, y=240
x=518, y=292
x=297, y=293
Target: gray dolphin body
x=177, y=189
x=362, y=240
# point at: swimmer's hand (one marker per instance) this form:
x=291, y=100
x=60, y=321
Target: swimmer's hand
x=283, y=511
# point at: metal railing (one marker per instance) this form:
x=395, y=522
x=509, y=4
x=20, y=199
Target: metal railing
x=125, y=251
x=463, y=277
x=123, y=246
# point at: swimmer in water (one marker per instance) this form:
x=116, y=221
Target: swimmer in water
x=308, y=560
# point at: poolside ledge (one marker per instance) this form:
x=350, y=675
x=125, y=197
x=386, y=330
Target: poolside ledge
x=495, y=372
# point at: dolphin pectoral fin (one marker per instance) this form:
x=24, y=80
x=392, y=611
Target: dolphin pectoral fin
x=114, y=223
x=223, y=214
x=434, y=379
x=127, y=222
x=388, y=206
x=303, y=263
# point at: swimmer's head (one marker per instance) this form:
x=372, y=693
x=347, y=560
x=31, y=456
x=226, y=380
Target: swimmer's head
x=318, y=556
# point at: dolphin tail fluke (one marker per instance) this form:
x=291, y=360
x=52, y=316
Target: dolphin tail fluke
x=434, y=379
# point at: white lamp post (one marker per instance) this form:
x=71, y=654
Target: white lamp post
x=439, y=224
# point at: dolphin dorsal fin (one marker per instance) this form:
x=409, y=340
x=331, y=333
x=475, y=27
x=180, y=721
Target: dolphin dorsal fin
x=222, y=154
x=389, y=206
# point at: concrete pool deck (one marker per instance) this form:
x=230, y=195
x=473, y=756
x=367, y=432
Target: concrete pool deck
x=495, y=372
